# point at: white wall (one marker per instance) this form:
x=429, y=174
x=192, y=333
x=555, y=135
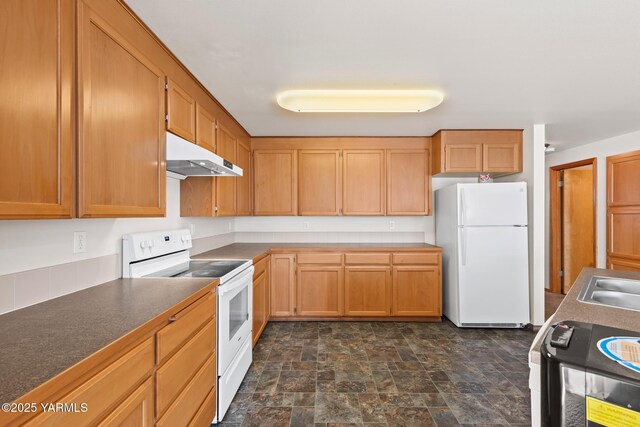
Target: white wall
x=31, y=244
x=600, y=150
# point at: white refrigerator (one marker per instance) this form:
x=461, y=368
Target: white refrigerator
x=482, y=229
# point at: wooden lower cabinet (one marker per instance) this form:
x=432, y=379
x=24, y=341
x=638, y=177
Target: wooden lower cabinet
x=417, y=291
x=136, y=410
x=260, y=304
x=283, y=283
x=367, y=291
x=320, y=291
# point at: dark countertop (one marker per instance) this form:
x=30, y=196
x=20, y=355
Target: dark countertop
x=40, y=341
x=572, y=309
x=253, y=250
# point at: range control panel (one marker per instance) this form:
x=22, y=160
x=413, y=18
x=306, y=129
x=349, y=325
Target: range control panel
x=141, y=246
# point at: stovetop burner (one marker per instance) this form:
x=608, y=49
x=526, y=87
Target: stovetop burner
x=201, y=268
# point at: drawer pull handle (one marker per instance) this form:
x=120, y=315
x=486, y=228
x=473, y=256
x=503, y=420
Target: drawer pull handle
x=172, y=319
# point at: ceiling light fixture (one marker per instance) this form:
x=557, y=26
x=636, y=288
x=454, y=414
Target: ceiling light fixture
x=360, y=101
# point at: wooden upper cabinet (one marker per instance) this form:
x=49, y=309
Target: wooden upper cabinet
x=181, y=112
x=319, y=182
x=243, y=183
x=623, y=211
x=121, y=142
x=36, y=70
x=408, y=182
x=275, y=182
x=226, y=185
x=474, y=151
x=363, y=182
x=205, y=129
x=501, y=157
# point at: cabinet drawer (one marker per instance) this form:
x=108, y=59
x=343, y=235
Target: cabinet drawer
x=206, y=412
x=136, y=410
x=260, y=267
x=367, y=258
x=105, y=390
x=415, y=258
x=189, y=401
x=319, y=258
x=174, y=375
x=189, y=320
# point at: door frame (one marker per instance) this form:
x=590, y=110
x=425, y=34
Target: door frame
x=555, y=215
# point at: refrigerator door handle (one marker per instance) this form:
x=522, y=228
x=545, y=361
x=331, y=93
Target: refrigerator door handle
x=463, y=246
x=462, y=208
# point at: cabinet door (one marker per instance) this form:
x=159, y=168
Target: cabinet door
x=463, y=157
x=408, y=182
x=36, y=69
x=367, y=291
x=319, y=182
x=136, y=410
x=243, y=183
x=181, y=112
x=503, y=158
x=260, y=306
x=417, y=291
x=283, y=283
x=364, y=182
x=320, y=291
x=205, y=129
x=121, y=144
x=275, y=182
x=226, y=185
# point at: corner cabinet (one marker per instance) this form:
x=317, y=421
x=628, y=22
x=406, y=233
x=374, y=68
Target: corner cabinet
x=36, y=70
x=181, y=112
x=121, y=139
x=470, y=152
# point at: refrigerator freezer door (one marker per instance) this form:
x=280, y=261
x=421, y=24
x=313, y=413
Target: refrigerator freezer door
x=493, y=276
x=492, y=204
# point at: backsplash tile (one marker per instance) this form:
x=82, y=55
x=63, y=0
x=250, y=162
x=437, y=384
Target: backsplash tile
x=64, y=279
x=7, y=291
x=31, y=287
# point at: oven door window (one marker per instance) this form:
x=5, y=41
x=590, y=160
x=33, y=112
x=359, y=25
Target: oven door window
x=238, y=311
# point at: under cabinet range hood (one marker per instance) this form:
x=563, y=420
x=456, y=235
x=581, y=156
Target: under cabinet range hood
x=188, y=159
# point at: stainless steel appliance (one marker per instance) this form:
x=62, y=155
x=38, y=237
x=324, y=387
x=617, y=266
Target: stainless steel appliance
x=166, y=254
x=581, y=384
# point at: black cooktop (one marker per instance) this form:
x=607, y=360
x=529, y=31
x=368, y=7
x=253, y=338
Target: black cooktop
x=199, y=268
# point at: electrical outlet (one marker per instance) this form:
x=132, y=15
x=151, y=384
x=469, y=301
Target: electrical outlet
x=192, y=228
x=79, y=242
x=306, y=225
x=392, y=225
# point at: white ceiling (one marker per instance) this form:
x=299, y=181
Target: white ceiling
x=573, y=64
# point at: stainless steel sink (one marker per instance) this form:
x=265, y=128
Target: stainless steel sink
x=612, y=292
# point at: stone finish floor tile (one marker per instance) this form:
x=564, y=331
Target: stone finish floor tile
x=382, y=374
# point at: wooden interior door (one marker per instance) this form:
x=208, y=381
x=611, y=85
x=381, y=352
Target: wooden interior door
x=319, y=182
x=320, y=291
x=226, y=185
x=243, y=183
x=623, y=211
x=363, y=182
x=367, y=291
x=283, y=283
x=36, y=71
x=578, y=249
x=408, y=182
x=121, y=144
x=275, y=182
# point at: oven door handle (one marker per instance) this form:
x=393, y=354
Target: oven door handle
x=236, y=282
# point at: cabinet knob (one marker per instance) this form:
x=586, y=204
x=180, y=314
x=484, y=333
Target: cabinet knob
x=172, y=319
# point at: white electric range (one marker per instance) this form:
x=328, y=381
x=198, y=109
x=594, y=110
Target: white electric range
x=166, y=254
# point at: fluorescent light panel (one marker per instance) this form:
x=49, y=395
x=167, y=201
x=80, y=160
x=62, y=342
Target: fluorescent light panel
x=359, y=101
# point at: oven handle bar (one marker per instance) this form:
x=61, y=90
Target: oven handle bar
x=235, y=283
